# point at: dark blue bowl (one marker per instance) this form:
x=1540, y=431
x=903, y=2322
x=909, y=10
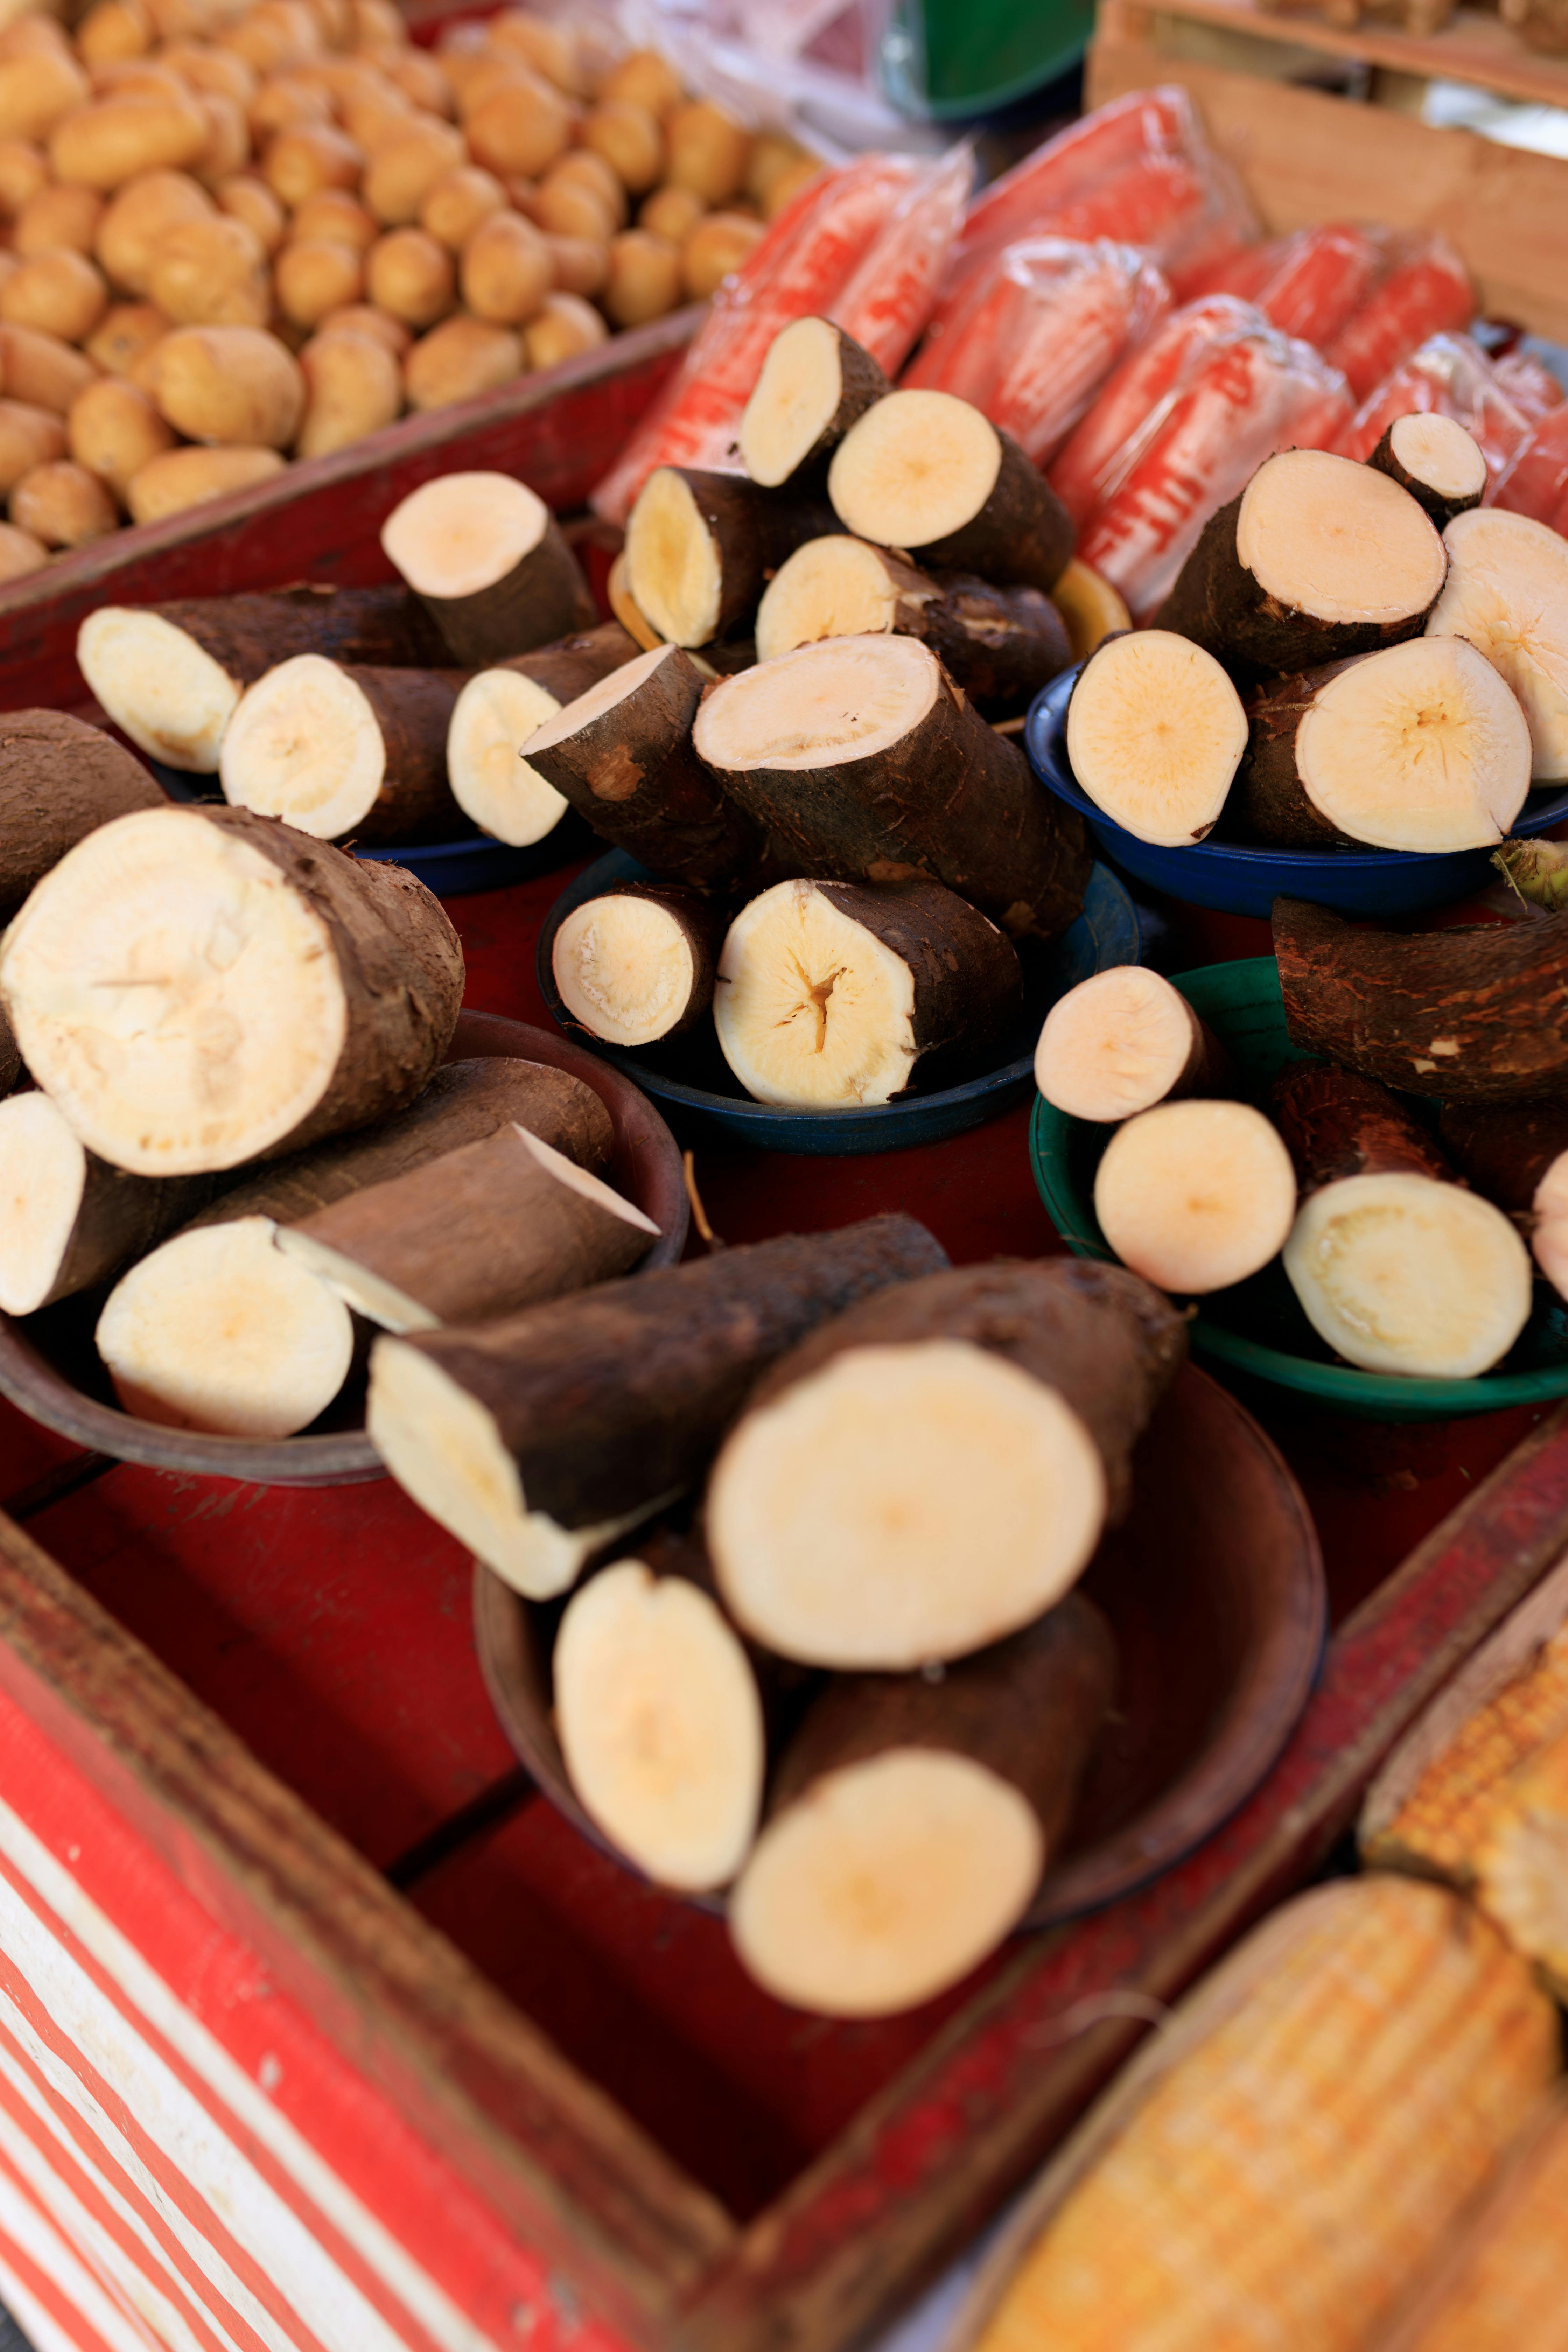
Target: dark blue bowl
x=1238, y=879
x=694, y=1083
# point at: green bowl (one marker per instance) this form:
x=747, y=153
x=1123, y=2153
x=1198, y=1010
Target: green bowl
x=1257, y=1330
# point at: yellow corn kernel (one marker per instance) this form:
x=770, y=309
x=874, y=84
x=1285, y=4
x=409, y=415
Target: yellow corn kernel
x=1504, y=2288
x=1522, y=1867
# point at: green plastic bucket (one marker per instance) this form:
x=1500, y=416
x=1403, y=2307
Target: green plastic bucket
x=948, y=60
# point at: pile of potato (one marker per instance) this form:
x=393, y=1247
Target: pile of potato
x=237, y=234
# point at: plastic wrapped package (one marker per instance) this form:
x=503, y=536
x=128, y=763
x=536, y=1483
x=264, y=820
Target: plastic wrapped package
x=1452, y=376
x=1101, y=144
x=1425, y=289
x=893, y=293
x=1528, y=383
x=1031, y=336
x=1536, y=484
x=1097, y=458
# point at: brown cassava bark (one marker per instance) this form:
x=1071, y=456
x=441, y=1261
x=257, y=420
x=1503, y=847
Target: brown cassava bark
x=573, y=664
x=413, y=709
x=248, y=635
x=120, y=1218
x=542, y=597
x=968, y=986
x=1505, y=1149
x=1336, y=1123
x=1023, y=535
x=59, y=781
x=1269, y=798
x=861, y=384
x=1441, y=509
x=10, y=1056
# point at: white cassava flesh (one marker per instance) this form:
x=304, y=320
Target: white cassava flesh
x=1549, y=1234
x=1195, y=1195
x=794, y=400
x=625, y=969
x=1507, y=593
x=178, y=993
x=1155, y=734
x=1421, y=746
x=443, y=1448
x=1407, y=1274
x=217, y=1330
x=914, y=468
x=847, y=699
x=810, y=1008
x=903, y=1504
x=1437, y=451
x=493, y=717
x=609, y=691
x=833, y=587
x=1338, y=541
x=660, y=1724
x=462, y=532
x=156, y=684
x=1114, y=1045
x=673, y=572
x=43, y=1174
x=306, y=745
x=888, y=1882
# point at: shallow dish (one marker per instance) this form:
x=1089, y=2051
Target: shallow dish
x=693, y=1078
x=1243, y=879
x=1257, y=1331
x=50, y=1370
x=1214, y=1587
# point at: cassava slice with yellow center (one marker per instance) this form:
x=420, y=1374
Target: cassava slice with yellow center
x=1156, y=733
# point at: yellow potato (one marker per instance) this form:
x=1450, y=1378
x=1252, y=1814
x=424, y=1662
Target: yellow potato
x=708, y=151
x=36, y=91
x=29, y=437
x=314, y=274
x=252, y=201
x=135, y=222
x=582, y=265
x=645, y=80
x=24, y=171
x=591, y=171
x=410, y=275
x=496, y=72
x=20, y=552
x=355, y=388
x=40, y=369
x=56, y=217
x=137, y=77
x=458, y=203
x=228, y=384
x=773, y=151
x=507, y=269
x=189, y=478
x=115, y=430
x=348, y=77
x=460, y=52
x=227, y=149
x=275, y=38
x=333, y=21
x=335, y=214
x=672, y=214
x=62, y=504
x=115, y=28
x=125, y=331
x=645, y=278
x=715, y=248
x=311, y=156
x=562, y=328
x=520, y=130
x=375, y=115
x=420, y=77
x=284, y=102
x=460, y=360
x=629, y=140
x=550, y=49
x=568, y=208
x=58, y=293
x=364, y=318
x=34, y=34
x=117, y=139
x=217, y=70
x=377, y=25
x=403, y=172
x=786, y=186
x=212, y=272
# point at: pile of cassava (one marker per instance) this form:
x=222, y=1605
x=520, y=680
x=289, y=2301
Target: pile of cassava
x=1353, y=656
x=229, y=1130
x=235, y=232
x=857, y=1685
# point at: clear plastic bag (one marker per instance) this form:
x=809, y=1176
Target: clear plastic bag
x=1425, y=289
x=1310, y=285
x=1528, y=383
x=1536, y=484
x=1097, y=458
x=1448, y=376
x=893, y=294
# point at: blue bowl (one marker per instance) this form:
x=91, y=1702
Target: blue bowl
x=692, y=1080
x=1238, y=879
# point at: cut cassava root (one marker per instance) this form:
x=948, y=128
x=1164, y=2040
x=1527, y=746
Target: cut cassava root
x=837, y=992
x=59, y=781
x=538, y=1439
x=636, y=964
x=498, y=710
x=815, y=383
x=933, y=1468
x=1508, y=592
x=1156, y=733
x=1432, y=457
x=1123, y=1041
x=70, y=1220
x=860, y=761
x=925, y=472
x=700, y=548
x=912, y=1818
x=200, y=987
x=336, y=751
x=1516, y=1154
x=1195, y=1195
x=488, y=558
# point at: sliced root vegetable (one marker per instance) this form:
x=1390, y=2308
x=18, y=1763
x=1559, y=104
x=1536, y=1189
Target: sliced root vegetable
x=198, y=987
x=1335, y=1123
x=933, y=1468
x=1195, y=1195
x=1507, y=593
x=912, y=1819
x=537, y=1440
x=11, y=1063
x=700, y=548
x=661, y=1723
x=622, y=755
x=859, y=759
x=1155, y=734
x=1432, y=457
x=336, y=751
x=839, y=993
x=488, y=558
x=926, y=472
x=70, y=1219
x=59, y=781
x=1476, y=1016
x=1421, y=746
x=496, y=713
x=815, y=383
x=171, y=675
x=1123, y=1041
x=1318, y=559
x=1091, y=609
x=217, y=1330
x=636, y=964
x=1516, y=1154
x=485, y=1230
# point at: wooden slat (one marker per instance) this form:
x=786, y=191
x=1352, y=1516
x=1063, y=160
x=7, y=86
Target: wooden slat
x=1474, y=47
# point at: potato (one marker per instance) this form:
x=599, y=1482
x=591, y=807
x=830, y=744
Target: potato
x=420, y=77
x=40, y=369
x=672, y=214
x=115, y=28
x=137, y=77
x=311, y=156
x=460, y=53
x=36, y=91
x=582, y=265
x=591, y=171
x=333, y=20
x=507, y=269
x=62, y=504
x=773, y=151
x=377, y=25
x=364, y=318
x=550, y=49
x=314, y=274
x=786, y=186
x=217, y=70
x=135, y=222
x=333, y=213
x=347, y=78
x=457, y=361
x=125, y=331
x=59, y=293
x=57, y=218
x=458, y=203
x=227, y=149
x=212, y=272
x=250, y=200
x=568, y=208
x=29, y=437
x=496, y=72
x=520, y=130
x=377, y=115
x=562, y=328
x=118, y=139
x=115, y=430
x=274, y=38
x=645, y=80
x=355, y=388
x=188, y=477
x=715, y=248
x=403, y=172
x=233, y=384
x=20, y=552
x=34, y=34
x=708, y=151
x=410, y=275
x=629, y=140
x=645, y=278
x=24, y=170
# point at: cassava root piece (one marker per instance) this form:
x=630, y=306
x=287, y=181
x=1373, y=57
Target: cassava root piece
x=861, y=762
x=1123, y=1041
x=700, y=546
x=841, y=993
x=1156, y=733
x=483, y=1231
x=933, y=1468
x=10, y=1056
x=1508, y=592
x=912, y=1818
x=486, y=557
x=198, y=987
x=1516, y=1155
x=815, y=383
x=1195, y=1195
x=496, y=713
x=1432, y=457
x=60, y=779
x=169, y=675
x=926, y=472
x=70, y=1219
x=538, y=1439
x=336, y=751
x=637, y=963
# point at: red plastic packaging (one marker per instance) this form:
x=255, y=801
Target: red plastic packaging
x=1030, y=337
x=1146, y=123
x=893, y=293
x=1096, y=460
x=1424, y=292
x=1452, y=376
x=1528, y=383
x=1537, y=482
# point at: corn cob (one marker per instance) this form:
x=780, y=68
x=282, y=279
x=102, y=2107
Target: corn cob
x=1292, y=2148
x=1504, y=2286
x=1522, y=1867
